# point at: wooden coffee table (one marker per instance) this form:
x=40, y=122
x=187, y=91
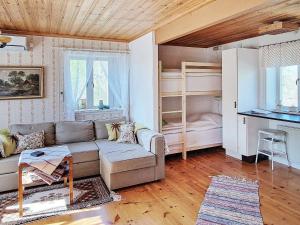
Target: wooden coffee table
x=67, y=176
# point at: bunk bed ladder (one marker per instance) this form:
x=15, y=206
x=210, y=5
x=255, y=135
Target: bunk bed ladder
x=160, y=97
x=184, y=150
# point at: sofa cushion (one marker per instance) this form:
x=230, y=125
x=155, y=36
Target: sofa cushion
x=9, y=164
x=119, y=157
x=100, y=128
x=84, y=151
x=25, y=129
x=74, y=131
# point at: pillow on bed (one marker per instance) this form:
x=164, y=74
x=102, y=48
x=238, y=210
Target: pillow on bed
x=214, y=117
x=193, y=117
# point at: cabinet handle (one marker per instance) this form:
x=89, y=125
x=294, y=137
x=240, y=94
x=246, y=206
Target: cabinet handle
x=244, y=120
x=235, y=104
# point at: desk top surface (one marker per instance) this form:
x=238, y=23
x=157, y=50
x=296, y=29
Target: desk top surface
x=274, y=116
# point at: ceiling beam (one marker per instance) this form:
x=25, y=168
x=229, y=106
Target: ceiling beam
x=25, y=33
x=210, y=14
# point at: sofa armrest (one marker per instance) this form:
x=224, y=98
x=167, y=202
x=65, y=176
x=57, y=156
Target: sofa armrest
x=155, y=143
x=158, y=148
x=158, y=145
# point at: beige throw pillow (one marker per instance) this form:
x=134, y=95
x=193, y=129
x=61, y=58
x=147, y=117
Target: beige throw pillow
x=7, y=143
x=138, y=126
x=113, y=130
x=30, y=141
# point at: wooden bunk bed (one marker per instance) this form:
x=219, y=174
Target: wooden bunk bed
x=193, y=79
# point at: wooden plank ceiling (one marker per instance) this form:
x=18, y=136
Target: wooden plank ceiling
x=241, y=27
x=122, y=20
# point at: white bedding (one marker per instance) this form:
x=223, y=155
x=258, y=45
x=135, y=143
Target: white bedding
x=200, y=125
x=197, y=122
x=202, y=130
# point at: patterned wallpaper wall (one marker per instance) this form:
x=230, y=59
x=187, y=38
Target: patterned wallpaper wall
x=47, y=52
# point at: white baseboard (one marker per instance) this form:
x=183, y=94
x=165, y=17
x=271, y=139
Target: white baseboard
x=284, y=161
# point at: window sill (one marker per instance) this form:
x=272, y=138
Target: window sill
x=98, y=114
x=96, y=110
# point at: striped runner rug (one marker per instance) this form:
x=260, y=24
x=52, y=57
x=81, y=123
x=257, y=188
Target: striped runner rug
x=229, y=200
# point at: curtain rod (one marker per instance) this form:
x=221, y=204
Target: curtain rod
x=93, y=50
x=279, y=43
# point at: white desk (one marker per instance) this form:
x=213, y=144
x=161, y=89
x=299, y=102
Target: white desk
x=249, y=123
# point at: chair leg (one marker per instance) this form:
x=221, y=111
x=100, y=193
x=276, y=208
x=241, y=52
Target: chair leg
x=272, y=162
x=286, y=151
x=272, y=153
x=257, y=150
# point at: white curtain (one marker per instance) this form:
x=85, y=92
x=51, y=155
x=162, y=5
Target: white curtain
x=76, y=84
x=284, y=54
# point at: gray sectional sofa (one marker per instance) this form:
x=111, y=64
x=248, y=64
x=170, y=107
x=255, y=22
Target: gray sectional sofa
x=120, y=165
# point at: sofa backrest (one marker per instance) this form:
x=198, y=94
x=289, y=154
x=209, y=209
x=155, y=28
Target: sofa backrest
x=100, y=128
x=24, y=129
x=74, y=131
x=67, y=131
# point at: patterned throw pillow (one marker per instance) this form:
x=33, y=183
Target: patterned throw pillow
x=113, y=130
x=127, y=134
x=30, y=141
x=2, y=152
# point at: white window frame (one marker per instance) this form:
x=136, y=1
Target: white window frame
x=298, y=83
x=90, y=79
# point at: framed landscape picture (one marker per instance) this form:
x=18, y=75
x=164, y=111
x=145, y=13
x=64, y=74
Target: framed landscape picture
x=19, y=82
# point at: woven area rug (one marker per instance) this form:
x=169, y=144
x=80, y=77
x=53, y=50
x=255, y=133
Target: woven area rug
x=229, y=200
x=45, y=201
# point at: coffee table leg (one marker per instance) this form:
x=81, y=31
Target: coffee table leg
x=71, y=180
x=20, y=191
x=65, y=181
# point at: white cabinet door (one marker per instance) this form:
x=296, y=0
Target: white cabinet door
x=254, y=124
x=242, y=135
x=229, y=99
x=248, y=128
x=247, y=79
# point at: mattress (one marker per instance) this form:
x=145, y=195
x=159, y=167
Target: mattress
x=200, y=134
x=194, y=140
x=198, y=122
x=194, y=136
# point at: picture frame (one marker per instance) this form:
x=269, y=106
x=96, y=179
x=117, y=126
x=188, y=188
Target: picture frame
x=21, y=82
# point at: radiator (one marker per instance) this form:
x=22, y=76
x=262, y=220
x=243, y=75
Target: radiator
x=293, y=142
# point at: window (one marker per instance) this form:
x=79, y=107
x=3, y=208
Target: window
x=289, y=93
x=89, y=78
x=283, y=88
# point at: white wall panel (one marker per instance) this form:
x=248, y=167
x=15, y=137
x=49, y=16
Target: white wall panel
x=144, y=81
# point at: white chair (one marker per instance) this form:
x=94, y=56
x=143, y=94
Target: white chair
x=270, y=138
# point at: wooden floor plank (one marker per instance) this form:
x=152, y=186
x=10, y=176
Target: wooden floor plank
x=177, y=199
